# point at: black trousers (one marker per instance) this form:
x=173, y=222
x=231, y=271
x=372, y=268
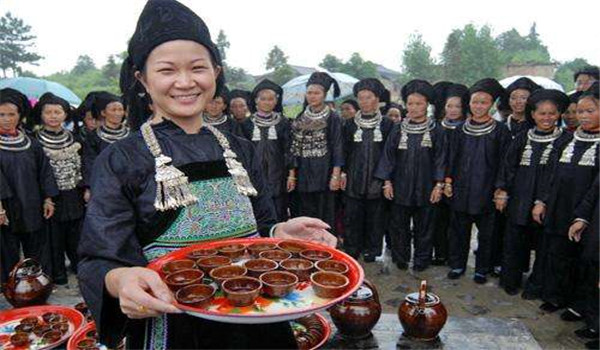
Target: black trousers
x=422, y=233
x=320, y=205
x=281, y=207
x=500, y=225
x=440, y=235
x=65, y=239
x=560, y=270
x=586, y=292
x=364, y=226
x=460, y=240
x=35, y=245
x=518, y=241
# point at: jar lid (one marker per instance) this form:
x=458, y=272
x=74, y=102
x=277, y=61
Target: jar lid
x=362, y=293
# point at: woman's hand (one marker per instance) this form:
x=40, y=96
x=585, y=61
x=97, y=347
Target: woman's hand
x=448, y=192
x=291, y=184
x=87, y=195
x=48, y=208
x=305, y=228
x=334, y=183
x=436, y=194
x=388, y=190
x=538, y=212
x=141, y=292
x=576, y=229
x=500, y=199
x=3, y=219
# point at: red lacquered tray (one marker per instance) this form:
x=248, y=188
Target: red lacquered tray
x=302, y=301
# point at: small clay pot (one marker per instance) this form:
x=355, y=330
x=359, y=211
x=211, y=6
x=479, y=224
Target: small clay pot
x=31, y=320
x=329, y=285
x=223, y=273
x=257, y=267
x=211, y=262
x=201, y=253
x=52, y=336
x=19, y=340
x=275, y=255
x=233, y=251
x=294, y=247
x=24, y=328
x=40, y=329
x=63, y=328
x=49, y=315
x=278, y=283
x=195, y=295
x=256, y=248
x=299, y=267
x=242, y=291
x=58, y=318
x=87, y=344
x=178, y=265
x=315, y=255
x=332, y=266
x=182, y=278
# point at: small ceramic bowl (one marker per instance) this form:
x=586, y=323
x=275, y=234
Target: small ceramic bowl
x=233, y=251
x=278, y=283
x=211, y=262
x=332, y=266
x=52, y=336
x=299, y=267
x=86, y=344
x=315, y=255
x=182, y=278
x=329, y=284
x=48, y=315
x=58, y=318
x=63, y=328
x=294, y=247
x=19, y=340
x=275, y=255
x=40, y=329
x=32, y=320
x=201, y=253
x=177, y=265
x=256, y=248
x=24, y=328
x=257, y=267
x=223, y=273
x=195, y=295
x=242, y=291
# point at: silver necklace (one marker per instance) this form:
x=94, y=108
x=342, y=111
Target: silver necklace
x=271, y=119
x=318, y=115
x=451, y=125
x=112, y=135
x=368, y=123
x=532, y=136
x=62, y=139
x=207, y=119
x=478, y=130
x=583, y=136
x=20, y=142
x=422, y=128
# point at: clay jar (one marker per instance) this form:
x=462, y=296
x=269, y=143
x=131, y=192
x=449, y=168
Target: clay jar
x=27, y=284
x=422, y=315
x=356, y=316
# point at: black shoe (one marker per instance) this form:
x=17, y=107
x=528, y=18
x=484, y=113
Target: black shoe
x=455, y=274
x=511, y=290
x=569, y=316
x=480, y=279
x=438, y=262
x=586, y=333
x=369, y=258
x=592, y=344
x=529, y=295
x=549, y=307
x=402, y=266
x=420, y=268
x=61, y=281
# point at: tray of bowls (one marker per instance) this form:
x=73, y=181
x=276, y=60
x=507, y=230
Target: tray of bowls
x=258, y=280
x=38, y=327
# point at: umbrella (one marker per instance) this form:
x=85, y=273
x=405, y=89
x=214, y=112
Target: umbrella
x=34, y=88
x=542, y=81
x=295, y=89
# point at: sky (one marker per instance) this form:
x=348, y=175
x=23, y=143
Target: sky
x=306, y=30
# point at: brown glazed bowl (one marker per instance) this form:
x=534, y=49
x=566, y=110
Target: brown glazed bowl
x=275, y=255
x=31, y=320
x=201, y=253
x=332, y=266
x=63, y=328
x=242, y=291
x=256, y=248
x=182, y=278
x=40, y=329
x=86, y=344
x=20, y=340
x=299, y=267
x=49, y=315
x=278, y=283
x=195, y=295
x=177, y=265
x=233, y=251
x=291, y=246
x=257, y=267
x=58, y=318
x=315, y=255
x=52, y=336
x=24, y=328
x=211, y=262
x=223, y=273
x=329, y=285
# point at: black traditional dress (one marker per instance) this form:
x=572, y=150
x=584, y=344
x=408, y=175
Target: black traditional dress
x=95, y=143
x=224, y=123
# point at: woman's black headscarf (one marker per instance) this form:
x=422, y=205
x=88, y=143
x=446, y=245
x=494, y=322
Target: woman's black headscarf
x=160, y=21
x=49, y=99
x=9, y=95
x=267, y=84
x=557, y=97
x=522, y=83
x=325, y=80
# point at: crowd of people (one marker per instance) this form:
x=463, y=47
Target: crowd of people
x=417, y=174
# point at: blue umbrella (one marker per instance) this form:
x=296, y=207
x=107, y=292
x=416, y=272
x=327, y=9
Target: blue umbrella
x=34, y=88
x=295, y=89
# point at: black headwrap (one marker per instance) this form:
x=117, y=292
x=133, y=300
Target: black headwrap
x=593, y=91
x=267, y=84
x=439, y=100
x=592, y=71
x=325, y=80
x=559, y=98
x=418, y=86
x=521, y=83
x=224, y=94
x=353, y=103
x=100, y=100
x=8, y=95
x=574, y=97
x=461, y=91
x=237, y=93
x=49, y=99
x=373, y=85
x=490, y=86
x=161, y=21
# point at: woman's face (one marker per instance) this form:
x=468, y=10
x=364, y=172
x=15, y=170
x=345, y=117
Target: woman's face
x=238, y=108
x=480, y=104
x=584, y=82
x=416, y=106
x=53, y=116
x=394, y=114
x=9, y=118
x=367, y=101
x=180, y=78
x=570, y=116
x=216, y=107
x=545, y=115
x=348, y=111
x=266, y=101
x=453, y=108
x=89, y=121
x=315, y=95
x=113, y=113
x=588, y=114
x=518, y=100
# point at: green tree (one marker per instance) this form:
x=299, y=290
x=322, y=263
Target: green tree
x=332, y=63
x=276, y=59
x=16, y=45
x=237, y=78
x=451, y=56
x=515, y=48
x=357, y=67
x=283, y=74
x=111, y=70
x=417, y=61
x=84, y=63
x=564, y=73
x=222, y=44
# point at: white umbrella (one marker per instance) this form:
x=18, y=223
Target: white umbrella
x=542, y=81
x=295, y=89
